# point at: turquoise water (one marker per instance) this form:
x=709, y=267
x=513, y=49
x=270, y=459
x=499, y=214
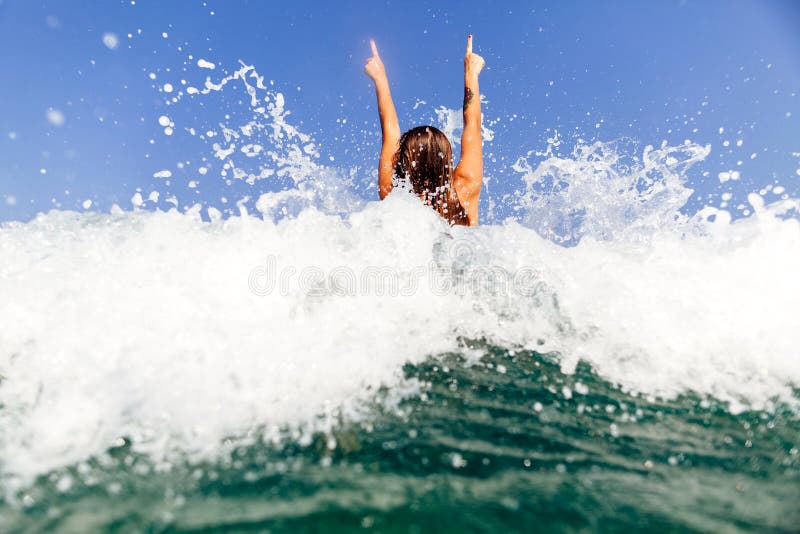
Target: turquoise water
x=505, y=443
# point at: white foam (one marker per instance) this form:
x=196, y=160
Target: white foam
x=131, y=339
x=203, y=64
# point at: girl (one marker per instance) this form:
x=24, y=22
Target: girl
x=423, y=154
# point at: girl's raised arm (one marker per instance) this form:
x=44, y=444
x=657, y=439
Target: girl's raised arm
x=468, y=176
x=389, y=124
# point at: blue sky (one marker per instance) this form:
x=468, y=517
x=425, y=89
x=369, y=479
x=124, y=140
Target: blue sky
x=650, y=71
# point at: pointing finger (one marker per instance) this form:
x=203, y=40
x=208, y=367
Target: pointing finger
x=374, y=48
x=469, y=44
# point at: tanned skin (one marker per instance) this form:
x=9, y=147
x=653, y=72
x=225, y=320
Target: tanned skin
x=390, y=127
x=468, y=175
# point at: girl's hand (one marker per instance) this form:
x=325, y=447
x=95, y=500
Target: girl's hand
x=374, y=67
x=473, y=63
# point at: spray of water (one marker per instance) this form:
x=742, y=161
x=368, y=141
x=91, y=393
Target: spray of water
x=178, y=334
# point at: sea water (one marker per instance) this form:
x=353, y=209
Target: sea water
x=602, y=360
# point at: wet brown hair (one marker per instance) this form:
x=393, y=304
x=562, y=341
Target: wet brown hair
x=425, y=159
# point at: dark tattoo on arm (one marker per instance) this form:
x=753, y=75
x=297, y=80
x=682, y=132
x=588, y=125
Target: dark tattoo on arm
x=468, y=94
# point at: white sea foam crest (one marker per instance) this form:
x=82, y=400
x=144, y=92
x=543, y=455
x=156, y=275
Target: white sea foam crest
x=144, y=325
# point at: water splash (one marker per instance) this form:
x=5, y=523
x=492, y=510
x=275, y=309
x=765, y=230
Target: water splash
x=144, y=326
x=261, y=147
x=606, y=190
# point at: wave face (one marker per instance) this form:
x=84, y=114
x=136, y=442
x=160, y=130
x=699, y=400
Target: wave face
x=325, y=341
